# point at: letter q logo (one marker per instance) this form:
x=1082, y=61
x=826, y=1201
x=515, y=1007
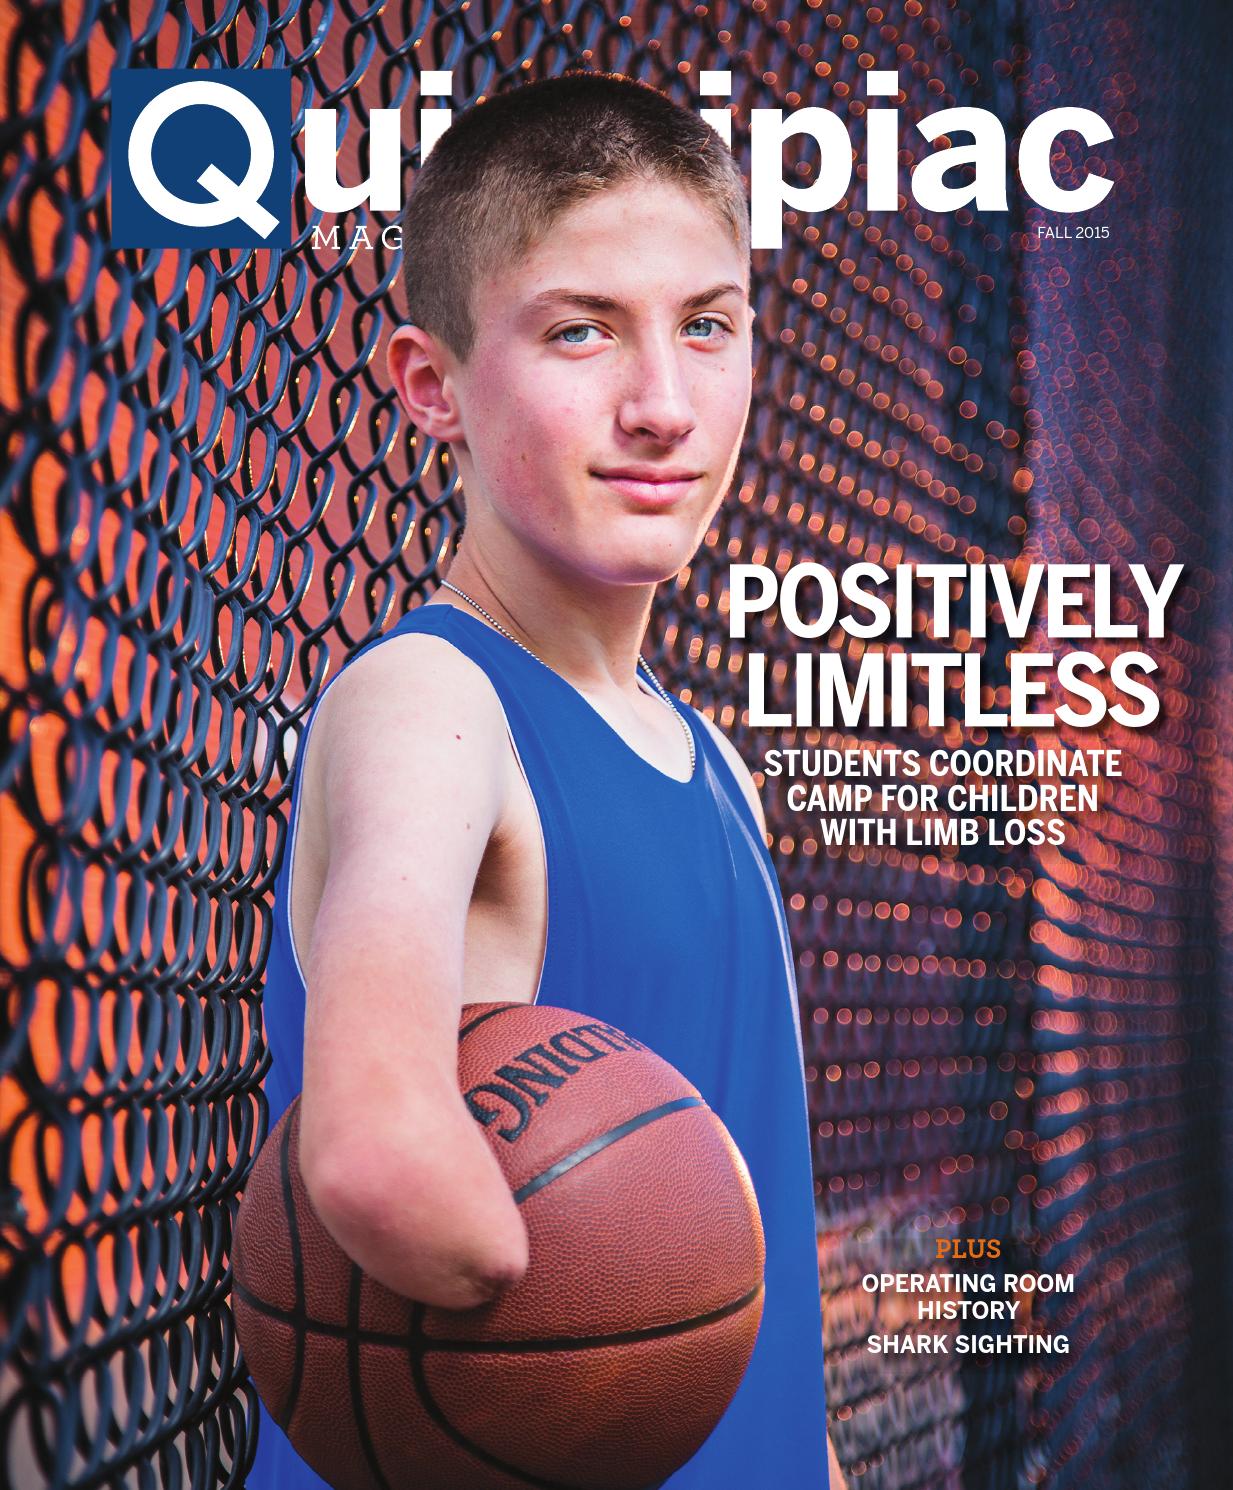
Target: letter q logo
x=201, y=158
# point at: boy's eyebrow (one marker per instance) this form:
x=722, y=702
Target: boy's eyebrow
x=587, y=300
x=716, y=292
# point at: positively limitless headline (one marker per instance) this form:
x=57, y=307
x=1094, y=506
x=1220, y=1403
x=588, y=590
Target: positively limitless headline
x=1055, y=601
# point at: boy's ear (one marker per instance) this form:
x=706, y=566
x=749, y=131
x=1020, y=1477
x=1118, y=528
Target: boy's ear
x=420, y=368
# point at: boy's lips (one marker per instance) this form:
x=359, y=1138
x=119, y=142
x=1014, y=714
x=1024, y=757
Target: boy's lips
x=649, y=485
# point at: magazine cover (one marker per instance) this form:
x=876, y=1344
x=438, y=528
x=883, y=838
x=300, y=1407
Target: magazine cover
x=615, y=823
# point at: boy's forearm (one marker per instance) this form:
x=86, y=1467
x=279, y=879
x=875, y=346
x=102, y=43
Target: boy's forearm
x=399, y=1172
x=419, y=1202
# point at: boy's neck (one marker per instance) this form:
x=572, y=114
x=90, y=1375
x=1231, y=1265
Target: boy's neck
x=589, y=633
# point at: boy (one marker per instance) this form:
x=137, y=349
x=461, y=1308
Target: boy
x=499, y=803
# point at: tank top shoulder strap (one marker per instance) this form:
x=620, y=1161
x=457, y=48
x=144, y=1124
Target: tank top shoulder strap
x=543, y=710
x=509, y=668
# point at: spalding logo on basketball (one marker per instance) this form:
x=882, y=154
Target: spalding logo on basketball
x=605, y=1367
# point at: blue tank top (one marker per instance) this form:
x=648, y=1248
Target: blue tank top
x=664, y=919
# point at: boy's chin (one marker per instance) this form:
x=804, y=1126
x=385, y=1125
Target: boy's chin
x=646, y=557
x=646, y=568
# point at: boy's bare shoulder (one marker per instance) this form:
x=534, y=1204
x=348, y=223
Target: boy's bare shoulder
x=411, y=676
x=739, y=769
x=410, y=717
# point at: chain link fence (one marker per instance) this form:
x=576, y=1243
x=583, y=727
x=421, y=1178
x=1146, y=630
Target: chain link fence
x=210, y=496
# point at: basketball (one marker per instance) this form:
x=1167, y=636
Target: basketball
x=605, y=1367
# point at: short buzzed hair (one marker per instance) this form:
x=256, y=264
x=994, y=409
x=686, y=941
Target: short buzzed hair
x=507, y=168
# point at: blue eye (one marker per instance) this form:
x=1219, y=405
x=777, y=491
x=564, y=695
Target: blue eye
x=574, y=336
x=712, y=325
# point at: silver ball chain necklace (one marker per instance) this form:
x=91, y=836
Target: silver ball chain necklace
x=642, y=662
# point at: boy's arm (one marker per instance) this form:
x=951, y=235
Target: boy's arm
x=410, y=775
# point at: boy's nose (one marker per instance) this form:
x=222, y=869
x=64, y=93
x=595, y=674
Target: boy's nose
x=657, y=405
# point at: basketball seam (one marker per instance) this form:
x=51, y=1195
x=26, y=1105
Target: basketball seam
x=506, y=1347
x=594, y=1145
x=353, y=1377
x=416, y=1351
x=490, y=1014
x=585, y=1342
x=299, y=1319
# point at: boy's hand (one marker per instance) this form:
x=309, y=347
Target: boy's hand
x=407, y=770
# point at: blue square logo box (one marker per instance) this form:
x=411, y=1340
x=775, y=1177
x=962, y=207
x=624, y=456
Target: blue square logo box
x=201, y=158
